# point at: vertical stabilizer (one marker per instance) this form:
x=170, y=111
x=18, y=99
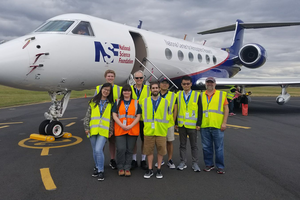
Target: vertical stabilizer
x=238, y=37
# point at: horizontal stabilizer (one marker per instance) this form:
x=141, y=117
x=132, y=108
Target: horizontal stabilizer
x=249, y=26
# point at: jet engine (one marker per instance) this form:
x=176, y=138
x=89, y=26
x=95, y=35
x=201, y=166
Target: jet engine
x=282, y=99
x=252, y=56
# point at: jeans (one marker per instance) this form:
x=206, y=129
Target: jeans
x=212, y=139
x=125, y=145
x=230, y=105
x=98, y=143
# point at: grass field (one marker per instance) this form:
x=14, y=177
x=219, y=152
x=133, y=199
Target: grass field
x=13, y=97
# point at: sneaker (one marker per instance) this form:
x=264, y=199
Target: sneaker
x=159, y=174
x=134, y=164
x=181, y=166
x=195, y=167
x=220, y=171
x=127, y=173
x=148, y=173
x=162, y=163
x=144, y=165
x=171, y=165
x=121, y=172
x=209, y=168
x=113, y=164
x=95, y=173
x=101, y=176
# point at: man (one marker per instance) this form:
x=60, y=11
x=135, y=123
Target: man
x=215, y=114
x=172, y=100
x=156, y=121
x=109, y=76
x=140, y=92
x=189, y=121
x=230, y=98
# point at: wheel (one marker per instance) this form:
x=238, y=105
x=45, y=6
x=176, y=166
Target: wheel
x=56, y=129
x=43, y=127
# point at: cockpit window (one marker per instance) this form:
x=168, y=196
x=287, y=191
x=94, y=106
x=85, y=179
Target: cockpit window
x=83, y=28
x=55, y=26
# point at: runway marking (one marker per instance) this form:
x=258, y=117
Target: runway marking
x=54, y=142
x=3, y=127
x=235, y=126
x=68, y=118
x=9, y=123
x=47, y=179
x=45, y=151
x=68, y=125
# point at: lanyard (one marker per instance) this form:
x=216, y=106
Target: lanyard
x=155, y=106
x=208, y=102
x=138, y=92
x=187, y=99
x=126, y=108
x=101, y=107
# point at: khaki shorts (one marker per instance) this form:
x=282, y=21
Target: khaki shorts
x=151, y=141
x=170, y=134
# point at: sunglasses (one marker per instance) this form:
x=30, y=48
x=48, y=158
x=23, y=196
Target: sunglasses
x=185, y=83
x=138, y=77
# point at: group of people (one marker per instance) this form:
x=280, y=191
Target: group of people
x=122, y=114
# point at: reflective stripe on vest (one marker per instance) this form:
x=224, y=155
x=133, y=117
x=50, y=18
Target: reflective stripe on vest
x=191, y=121
x=160, y=118
x=213, y=114
x=171, y=97
x=100, y=125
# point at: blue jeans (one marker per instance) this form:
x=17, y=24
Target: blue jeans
x=230, y=105
x=98, y=143
x=213, y=137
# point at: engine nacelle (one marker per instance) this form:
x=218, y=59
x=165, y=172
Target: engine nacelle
x=252, y=55
x=283, y=98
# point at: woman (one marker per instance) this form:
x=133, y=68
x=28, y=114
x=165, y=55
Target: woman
x=97, y=123
x=126, y=114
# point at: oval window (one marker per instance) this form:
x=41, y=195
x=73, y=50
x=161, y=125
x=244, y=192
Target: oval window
x=199, y=58
x=207, y=59
x=180, y=55
x=168, y=53
x=191, y=57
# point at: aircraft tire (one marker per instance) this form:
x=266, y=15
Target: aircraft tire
x=56, y=129
x=43, y=127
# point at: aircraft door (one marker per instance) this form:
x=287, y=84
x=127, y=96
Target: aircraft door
x=140, y=51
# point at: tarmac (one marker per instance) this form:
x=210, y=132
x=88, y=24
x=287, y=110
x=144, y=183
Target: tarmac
x=261, y=159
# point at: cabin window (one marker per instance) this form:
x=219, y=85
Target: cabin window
x=55, y=26
x=83, y=28
x=199, y=58
x=214, y=60
x=168, y=53
x=207, y=59
x=180, y=55
x=191, y=56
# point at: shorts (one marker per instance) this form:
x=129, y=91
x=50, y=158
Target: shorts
x=170, y=134
x=142, y=130
x=151, y=142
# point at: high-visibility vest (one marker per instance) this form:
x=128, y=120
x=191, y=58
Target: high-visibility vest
x=116, y=91
x=144, y=94
x=160, y=118
x=230, y=94
x=100, y=125
x=187, y=113
x=171, y=97
x=213, y=113
x=131, y=116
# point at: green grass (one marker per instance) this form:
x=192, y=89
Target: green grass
x=13, y=97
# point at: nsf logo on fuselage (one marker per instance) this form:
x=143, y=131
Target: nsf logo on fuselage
x=108, y=52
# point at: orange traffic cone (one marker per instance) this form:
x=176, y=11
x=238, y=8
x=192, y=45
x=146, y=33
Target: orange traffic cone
x=85, y=96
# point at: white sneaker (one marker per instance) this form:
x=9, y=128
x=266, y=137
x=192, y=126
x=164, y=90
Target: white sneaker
x=162, y=163
x=181, y=166
x=171, y=165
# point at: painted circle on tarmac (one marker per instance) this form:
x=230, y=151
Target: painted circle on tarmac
x=58, y=143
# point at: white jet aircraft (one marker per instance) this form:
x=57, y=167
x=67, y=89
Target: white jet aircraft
x=72, y=52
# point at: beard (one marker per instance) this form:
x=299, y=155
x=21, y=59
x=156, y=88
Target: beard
x=155, y=94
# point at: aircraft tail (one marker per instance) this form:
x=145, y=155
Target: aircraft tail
x=239, y=27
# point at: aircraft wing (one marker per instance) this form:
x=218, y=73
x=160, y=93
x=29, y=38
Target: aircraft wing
x=252, y=82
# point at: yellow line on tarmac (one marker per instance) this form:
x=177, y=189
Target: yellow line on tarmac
x=11, y=123
x=47, y=179
x=235, y=126
x=45, y=151
x=70, y=124
x=3, y=127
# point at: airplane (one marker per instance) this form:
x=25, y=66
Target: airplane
x=72, y=52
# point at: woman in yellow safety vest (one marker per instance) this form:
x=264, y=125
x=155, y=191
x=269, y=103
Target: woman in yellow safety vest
x=126, y=114
x=97, y=124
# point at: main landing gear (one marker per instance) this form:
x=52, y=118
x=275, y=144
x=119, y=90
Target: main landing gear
x=51, y=126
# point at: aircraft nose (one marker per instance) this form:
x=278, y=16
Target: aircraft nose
x=14, y=62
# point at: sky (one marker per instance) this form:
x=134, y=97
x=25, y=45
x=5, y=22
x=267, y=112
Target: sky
x=176, y=18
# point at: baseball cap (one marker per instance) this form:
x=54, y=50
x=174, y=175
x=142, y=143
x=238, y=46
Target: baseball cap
x=210, y=79
x=164, y=80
